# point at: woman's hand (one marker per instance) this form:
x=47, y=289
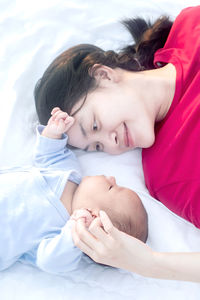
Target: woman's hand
x=105, y=244
x=59, y=123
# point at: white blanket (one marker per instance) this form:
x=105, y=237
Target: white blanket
x=33, y=33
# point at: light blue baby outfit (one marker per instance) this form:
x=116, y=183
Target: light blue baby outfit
x=34, y=226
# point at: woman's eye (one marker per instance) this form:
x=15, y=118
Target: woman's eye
x=110, y=187
x=95, y=128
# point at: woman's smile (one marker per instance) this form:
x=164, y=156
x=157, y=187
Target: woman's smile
x=127, y=137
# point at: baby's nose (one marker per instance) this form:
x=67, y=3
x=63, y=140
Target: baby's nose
x=112, y=180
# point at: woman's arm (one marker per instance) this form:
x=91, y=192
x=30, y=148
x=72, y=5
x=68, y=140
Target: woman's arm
x=178, y=266
x=112, y=247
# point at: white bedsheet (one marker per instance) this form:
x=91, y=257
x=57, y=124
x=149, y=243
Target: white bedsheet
x=32, y=34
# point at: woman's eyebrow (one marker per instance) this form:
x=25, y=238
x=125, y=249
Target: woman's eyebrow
x=84, y=135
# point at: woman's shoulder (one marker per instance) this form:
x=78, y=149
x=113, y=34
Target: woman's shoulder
x=189, y=15
x=184, y=36
x=190, y=10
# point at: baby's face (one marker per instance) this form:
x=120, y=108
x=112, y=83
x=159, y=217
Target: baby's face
x=101, y=193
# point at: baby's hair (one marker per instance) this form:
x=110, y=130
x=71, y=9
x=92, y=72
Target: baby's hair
x=136, y=225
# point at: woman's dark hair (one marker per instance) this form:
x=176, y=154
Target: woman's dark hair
x=69, y=77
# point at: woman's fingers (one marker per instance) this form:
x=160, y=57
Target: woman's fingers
x=106, y=244
x=77, y=241
x=98, y=231
x=107, y=224
x=86, y=242
x=83, y=234
x=96, y=236
x=96, y=243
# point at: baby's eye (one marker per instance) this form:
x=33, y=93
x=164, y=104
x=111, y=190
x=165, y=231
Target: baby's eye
x=98, y=147
x=95, y=128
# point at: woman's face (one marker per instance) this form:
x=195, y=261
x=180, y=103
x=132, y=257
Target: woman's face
x=113, y=120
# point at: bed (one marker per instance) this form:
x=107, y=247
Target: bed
x=33, y=33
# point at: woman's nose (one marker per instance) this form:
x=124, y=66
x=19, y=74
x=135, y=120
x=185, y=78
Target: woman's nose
x=108, y=140
x=111, y=180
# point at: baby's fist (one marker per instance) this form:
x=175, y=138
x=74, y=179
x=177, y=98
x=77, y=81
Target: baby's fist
x=59, y=123
x=83, y=213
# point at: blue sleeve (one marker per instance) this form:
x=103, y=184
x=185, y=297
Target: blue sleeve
x=58, y=254
x=53, y=153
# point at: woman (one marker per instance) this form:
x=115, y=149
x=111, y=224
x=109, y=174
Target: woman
x=146, y=96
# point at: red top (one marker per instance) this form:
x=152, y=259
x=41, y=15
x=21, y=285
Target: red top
x=172, y=165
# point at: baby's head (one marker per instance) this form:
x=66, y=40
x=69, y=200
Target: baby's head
x=122, y=205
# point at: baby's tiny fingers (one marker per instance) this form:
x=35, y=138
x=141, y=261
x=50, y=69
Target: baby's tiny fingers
x=54, y=110
x=61, y=115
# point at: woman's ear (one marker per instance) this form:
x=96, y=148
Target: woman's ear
x=103, y=74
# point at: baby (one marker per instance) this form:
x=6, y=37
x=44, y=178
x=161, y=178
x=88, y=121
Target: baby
x=36, y=204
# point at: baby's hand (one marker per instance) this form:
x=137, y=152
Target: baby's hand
x=59, y=123
x=83, y=213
